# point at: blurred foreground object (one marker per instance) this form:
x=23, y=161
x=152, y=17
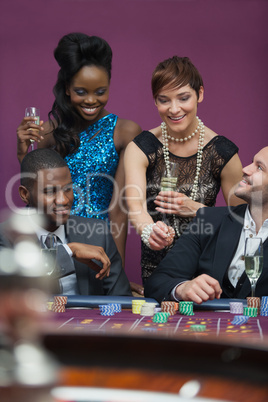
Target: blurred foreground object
x=24, y=289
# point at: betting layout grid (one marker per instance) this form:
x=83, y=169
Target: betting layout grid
x=181, y=323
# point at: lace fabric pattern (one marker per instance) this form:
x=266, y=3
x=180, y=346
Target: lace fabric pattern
x=93, y=167
x=216, y=154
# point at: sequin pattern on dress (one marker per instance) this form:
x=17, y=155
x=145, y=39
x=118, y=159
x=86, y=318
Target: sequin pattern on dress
x=93, y=168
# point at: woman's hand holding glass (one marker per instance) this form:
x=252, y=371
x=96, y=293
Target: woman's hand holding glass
x=29, y=131
x=172, y=202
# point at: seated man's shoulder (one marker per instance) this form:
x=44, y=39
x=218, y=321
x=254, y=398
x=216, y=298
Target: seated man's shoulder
x=220, y=212
x=90, y=221
x=80, y=225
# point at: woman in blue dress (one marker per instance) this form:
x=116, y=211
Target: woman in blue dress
x=91, y=139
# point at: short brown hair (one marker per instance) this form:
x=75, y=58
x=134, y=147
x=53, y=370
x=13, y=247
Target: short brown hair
x=176, y=72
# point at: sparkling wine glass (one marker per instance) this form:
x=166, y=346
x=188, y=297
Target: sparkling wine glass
x=253, y=260
x=33, y=112
x=169, y=182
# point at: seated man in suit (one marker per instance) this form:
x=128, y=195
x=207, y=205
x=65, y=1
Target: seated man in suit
x=207, y=261
x=87, y=245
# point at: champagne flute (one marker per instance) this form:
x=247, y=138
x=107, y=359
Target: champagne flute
x=253, y=261
x=33, y=112
x=169, y=182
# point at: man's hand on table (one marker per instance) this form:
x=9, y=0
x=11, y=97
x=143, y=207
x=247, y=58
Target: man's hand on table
x=199, y=289
x=136, y=289
x=85, y=253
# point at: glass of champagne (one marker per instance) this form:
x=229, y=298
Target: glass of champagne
x=169, y=182
x=253, y=260
x=49, y=247
x=33, y=112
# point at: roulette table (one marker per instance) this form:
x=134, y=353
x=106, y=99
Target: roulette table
x=128, y=357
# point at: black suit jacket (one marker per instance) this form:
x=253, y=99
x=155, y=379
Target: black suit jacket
x=94, y=232
x=206, y=247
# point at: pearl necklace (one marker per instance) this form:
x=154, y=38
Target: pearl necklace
x=189, y=136
x=166, y=137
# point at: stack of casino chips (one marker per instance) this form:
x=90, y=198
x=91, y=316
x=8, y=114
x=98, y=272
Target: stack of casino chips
x=264, y=306
x=240, y=320
x=161, y=317
x=198, y=327
x=106, y=309
x=254, y=302
x=136, y=305
x=251, y=311
x=169, y=307
x=59, y=304
x=110, y=309
x=116, y=307
x=148, y=309
x=236, y=307
x=186, y=308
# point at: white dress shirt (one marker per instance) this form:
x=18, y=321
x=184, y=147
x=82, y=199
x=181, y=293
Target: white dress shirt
x=237, y=265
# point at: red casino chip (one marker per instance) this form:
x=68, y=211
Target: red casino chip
x=58, y=309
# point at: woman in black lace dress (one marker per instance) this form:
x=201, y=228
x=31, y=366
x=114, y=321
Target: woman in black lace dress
x=181, y=147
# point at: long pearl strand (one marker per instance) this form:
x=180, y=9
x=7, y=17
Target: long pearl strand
x=166, y=137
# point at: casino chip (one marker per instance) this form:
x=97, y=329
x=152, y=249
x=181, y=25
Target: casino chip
x=136, y=305
x=264, y=306
x=116, y=307
x=58, y=305
x=186, y=307
x=58, y=308
x=254, y=302
x=161, y=317
x=198, y=327
x=251, y=311
x=147, y=309
x=106, y=310
x=236, y=307
x=240, y=320
x=169, y=307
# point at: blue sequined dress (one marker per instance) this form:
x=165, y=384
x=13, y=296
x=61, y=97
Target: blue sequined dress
x=93, y=168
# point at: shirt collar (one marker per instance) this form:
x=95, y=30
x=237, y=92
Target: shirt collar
x=60, y=232
x=249, y=222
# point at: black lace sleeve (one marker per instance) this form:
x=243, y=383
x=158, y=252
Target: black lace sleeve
x=218, y=153
x=148, y=143
x=225, y=148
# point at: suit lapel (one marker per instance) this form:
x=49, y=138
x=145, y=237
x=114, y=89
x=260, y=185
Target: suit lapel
x=80, y=269
x=227, y=242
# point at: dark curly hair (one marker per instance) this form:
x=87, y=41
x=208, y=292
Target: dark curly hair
x=73, y=52
x=39, y=159
x=176, y=72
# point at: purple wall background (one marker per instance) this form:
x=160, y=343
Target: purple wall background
x=226, y=39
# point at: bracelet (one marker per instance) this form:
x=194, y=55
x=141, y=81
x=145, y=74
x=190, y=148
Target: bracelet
x=146, y=233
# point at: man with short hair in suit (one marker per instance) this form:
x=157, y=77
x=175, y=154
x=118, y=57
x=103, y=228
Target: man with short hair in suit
x=207, y=261
x=86, y=245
